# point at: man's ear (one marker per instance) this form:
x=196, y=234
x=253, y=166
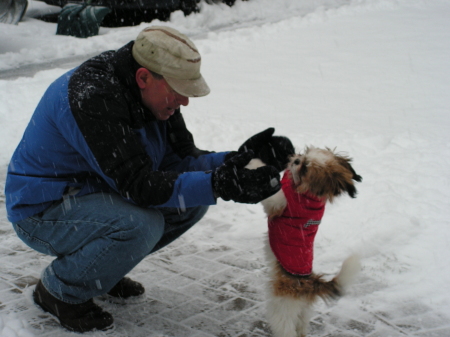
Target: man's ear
x=143, y=77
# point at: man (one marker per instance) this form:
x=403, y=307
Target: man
x=107, y=173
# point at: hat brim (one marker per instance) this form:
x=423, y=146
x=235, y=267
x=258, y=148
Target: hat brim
x=189, y=88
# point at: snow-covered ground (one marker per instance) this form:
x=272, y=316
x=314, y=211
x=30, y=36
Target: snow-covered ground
x=369, y=77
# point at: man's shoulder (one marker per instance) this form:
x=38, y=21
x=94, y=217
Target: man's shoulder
x=95, y=67
x=109, y=61
x=107, y=70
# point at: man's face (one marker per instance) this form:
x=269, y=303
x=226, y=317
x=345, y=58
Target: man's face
x=158, y=96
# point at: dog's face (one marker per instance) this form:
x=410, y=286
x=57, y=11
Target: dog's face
x=323, y=173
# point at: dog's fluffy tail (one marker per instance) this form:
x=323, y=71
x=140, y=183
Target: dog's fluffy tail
x=340, y=283
x=313, y=286
x=349, y=270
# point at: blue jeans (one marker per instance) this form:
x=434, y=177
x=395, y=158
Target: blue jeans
x=97, y=239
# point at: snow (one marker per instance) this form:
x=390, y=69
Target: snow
x=13, y=326
x=367, y=77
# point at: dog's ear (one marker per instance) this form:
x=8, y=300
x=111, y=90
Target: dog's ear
x=345, y=162
x=351, y=190
x=342, y=182
x=355, y=177
x=349, y=186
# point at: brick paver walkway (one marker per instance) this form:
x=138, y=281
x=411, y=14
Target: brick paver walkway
x=197, y=288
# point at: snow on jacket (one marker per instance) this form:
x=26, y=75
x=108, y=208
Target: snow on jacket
x=291, y=235
x=91, y=132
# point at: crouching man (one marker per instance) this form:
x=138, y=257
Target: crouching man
x=107, y=173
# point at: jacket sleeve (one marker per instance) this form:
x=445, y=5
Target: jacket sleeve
x=194, y=183
x=194, y=179
x=106, y=117
x=205, y=162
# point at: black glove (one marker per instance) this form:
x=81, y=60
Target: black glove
x=257, y=142
x=272, y=150
x=231, y=181
x=276, y=152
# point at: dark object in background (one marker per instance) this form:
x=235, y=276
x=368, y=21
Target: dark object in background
x=12, y=11
x=80, y=20
x=133, y=12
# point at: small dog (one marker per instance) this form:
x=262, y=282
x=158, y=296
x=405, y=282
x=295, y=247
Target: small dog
x=294, y=213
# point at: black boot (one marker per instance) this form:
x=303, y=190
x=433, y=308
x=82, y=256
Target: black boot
x=82, y=317
x=127, y=289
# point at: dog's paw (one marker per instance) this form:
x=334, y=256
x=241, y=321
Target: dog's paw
x=254, y=164
x=275, y=205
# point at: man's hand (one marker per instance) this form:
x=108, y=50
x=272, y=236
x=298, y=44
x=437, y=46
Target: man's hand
x=231, y=181
x=272, y=150
x=257, y=142
x=277, y=152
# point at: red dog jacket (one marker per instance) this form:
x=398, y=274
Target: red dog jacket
x=291, y=235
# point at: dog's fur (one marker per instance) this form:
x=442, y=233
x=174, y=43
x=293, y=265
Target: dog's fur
x=326, y=175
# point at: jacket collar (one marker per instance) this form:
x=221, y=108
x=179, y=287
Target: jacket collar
x=125, y=68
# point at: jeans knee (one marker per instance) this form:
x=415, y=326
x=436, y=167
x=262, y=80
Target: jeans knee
x=144, y=230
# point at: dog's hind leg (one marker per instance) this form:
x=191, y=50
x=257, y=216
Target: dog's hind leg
x=306, y=312
x=283, y=315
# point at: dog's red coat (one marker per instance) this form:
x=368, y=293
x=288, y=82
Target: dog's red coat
x=292, y=234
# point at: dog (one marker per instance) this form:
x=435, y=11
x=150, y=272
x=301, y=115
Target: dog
x=310, y=181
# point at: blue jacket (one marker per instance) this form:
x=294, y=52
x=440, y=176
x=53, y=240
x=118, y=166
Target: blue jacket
x=91, y=132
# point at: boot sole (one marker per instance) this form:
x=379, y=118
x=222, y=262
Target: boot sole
x=123, y=301
x=46, y=310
